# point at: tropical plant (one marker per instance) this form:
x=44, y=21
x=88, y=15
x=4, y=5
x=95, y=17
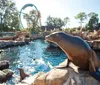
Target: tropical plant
x=8, y=15
x=55, y=22
x=93, y=21
x=66, y=20
x=33, y=20
x=81, y=17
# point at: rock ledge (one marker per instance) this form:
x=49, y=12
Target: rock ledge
x=66, y=76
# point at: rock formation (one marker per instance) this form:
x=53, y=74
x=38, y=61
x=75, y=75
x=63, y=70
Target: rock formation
x=4, y=64
x=5, y=72
x=66, y=76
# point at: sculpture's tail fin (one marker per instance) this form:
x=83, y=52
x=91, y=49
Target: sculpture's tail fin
x=95, y=59
x=94, y=66
x=91, y=61
x=96, y=74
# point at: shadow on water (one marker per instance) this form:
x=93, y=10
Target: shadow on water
x=32, y=58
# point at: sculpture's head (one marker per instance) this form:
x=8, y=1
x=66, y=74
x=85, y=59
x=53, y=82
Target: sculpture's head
x=20, y=69
x=53, y=37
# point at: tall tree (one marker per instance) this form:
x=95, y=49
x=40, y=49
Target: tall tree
x=93, y=21
x=33, y=19
x=49, y=21
x=66, y=20
x=56, y=22
x=9, y=15
x=81, y=17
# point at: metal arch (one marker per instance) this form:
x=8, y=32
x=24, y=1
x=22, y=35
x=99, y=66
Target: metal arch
x=25, y=6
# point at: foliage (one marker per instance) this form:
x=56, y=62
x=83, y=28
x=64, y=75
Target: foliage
x=8, y=15
x=81, y=17
x=56, y=22
x=70, y=29
x=97, y=27
x=66, y=20
x=93, y=21
x=66, y=29
x=32, y=20
x=73, y=29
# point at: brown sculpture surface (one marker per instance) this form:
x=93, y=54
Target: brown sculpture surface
x=22, y=74
x=77, y=50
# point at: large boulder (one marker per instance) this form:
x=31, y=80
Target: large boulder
x=8, y=73
x=2, y=76
x=4, y=64
x=67, y=76
x=5, y=75
x=6, y=44
x=57, y=76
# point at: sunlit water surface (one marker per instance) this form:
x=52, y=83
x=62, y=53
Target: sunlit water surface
x=24, y=57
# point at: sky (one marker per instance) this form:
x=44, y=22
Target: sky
x=62, y=8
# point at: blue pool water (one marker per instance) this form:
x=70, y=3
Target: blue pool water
x=24, y=57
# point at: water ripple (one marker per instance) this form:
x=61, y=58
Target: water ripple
x=32, y=58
